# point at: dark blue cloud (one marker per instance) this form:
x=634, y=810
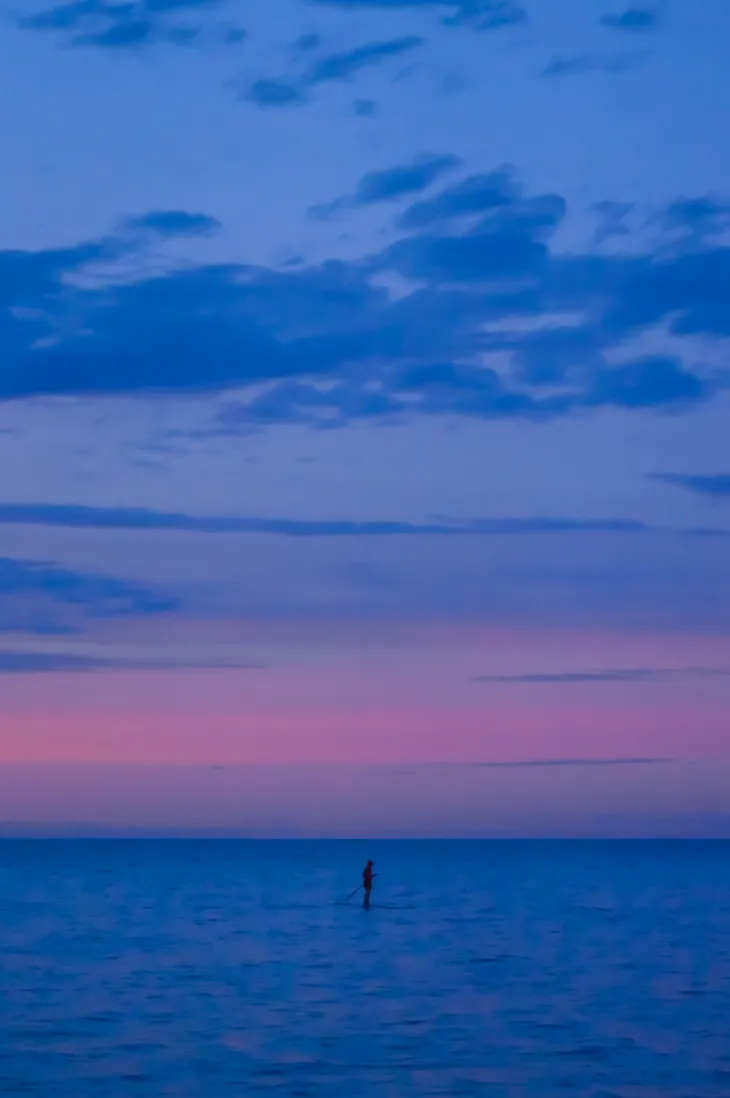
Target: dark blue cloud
x=307, y=42
x=499, y=250
x=31, y=663
x=647, y=383
x=14, y=662
x=293, y=90
x=342, y=66
x=470, y=197
x=404, y=179
x=122, y=35
x=79, y=517
x=44, y=598
x=172, y=223
x=126, y=24
x=391, y=183
x=591, y=62
x=508, y=243
x=471, y=391
x=714, y=486
x=700, y=219
x=234, y=36
x=557, y=355
x=329, y=344
x=613, y=220
x=688, y=289
x=274, y=93
x=635, y=20
x=307, y=404
x=480, y=14
x=34, y=279
x=110, y=518
x=365, y=108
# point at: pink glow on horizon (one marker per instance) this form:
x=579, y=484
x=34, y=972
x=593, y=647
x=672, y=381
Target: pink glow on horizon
x=359, y=693
x=387, y=736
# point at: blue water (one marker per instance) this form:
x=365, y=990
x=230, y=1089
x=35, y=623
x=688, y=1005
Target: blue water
x=217, y=969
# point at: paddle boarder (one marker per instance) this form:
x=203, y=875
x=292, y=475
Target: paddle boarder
x=367, y=882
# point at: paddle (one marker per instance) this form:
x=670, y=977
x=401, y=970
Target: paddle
x=357, y=890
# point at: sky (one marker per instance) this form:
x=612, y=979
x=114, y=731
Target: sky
x=364, y=395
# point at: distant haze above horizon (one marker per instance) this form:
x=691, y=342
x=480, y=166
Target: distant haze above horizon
x=609, y=798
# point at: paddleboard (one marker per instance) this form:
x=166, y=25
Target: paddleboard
x=389, y=907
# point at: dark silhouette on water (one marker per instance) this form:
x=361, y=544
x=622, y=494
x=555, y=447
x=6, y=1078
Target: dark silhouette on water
x=367, y=882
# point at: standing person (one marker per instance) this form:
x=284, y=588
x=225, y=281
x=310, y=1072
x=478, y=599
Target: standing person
x=367, y=882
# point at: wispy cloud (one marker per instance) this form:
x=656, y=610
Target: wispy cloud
x=476, y=195
x=585, y=63
x=171, y=223
x=119, y=25
x=44, y=598
x=621, y=675
x=365, y=108
x=274, y=92
x=82, y=517
x=391, y=184
x=632, y=20
x=26, y=661
x=713, y=485
x=111, y=518
x=16, y=663
x=530, y=764
x=290, y=90
x=481, y=15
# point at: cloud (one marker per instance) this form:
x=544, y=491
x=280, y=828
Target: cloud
x=509, y=244
x=686, y=288
x=233, y=36
x=623, y=675
x=613, y=220
x=647, y=383
x=289, y=91
x=113, y=518
x=26, y=661
x=472, y=196
x=391, y=184
x=307, y=42
x=122, y=24
x=634, y=20
x=43, y=598
x=342, y=66
x=715, y=486
x=80, y=517
x=700, y=219
x=365, y=108
x=477, y=328
x=520, y=764
x=274, y=93
x=589, y=62
x=172, y=223
x=13, y=663
x=479, y=14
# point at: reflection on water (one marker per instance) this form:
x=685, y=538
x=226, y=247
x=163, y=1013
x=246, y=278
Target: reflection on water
x=210, y=969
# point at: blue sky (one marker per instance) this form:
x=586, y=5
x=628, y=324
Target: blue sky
x=337, y=314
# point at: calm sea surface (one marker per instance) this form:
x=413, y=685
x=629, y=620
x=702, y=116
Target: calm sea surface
x=214, y=969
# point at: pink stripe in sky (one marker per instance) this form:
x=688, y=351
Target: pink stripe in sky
x=387, y=736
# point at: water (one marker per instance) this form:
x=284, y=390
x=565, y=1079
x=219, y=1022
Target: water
x=217, y=969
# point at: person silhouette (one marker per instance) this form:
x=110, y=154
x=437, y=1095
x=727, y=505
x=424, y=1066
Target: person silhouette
x=367, y=882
